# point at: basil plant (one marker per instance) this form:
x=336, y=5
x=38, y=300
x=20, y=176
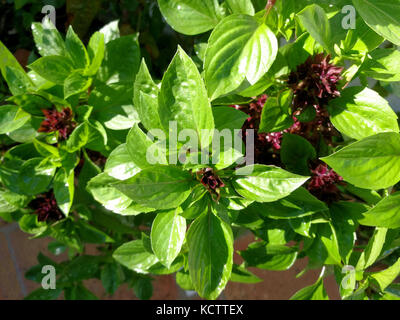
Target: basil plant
x=274, y=122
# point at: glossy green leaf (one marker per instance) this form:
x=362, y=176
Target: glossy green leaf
x=372, y=163
x=110, y=31
x=119, y=164
x=146, y=98
x=35, y=176
x=313, y=292
x=385, y=214
x=383, y=65
x=228, y=118
x=96, y=49
x=76, y=50
x=241, y=6
x=239, y=50
x=210, y=258
x=121, y=61
x=373, y=249
x=89, y=134
x=183, y=98
x=361, y=112
x=242, y=275
x=159, y=187
x=53, y=68
x=190, y=17
x=63, y=185
x=316, y=22
x=266, y=183
x=113, y=106
x=300, y=203
x=134, y=256
x=101, y=187
x=11, y=118
x=385, y=277
x=167, y=236
x=76, y=83
x=382, y=17
x=142, y=150
x=47, y=39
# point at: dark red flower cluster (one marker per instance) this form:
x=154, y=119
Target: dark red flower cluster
x=263, y=141
x=323, y=183
x=45, y=206
x=60, y=121
x=211, y=181
x=314, y=82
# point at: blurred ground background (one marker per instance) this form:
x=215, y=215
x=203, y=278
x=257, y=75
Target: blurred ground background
x=18, y=253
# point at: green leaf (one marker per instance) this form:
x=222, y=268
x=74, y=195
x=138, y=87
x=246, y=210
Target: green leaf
x=35, y=176
x=296, y=153
x=53, y=68
x=110, y=31
x=276, y=114
x=239, y=50
x=373, y=249
x=313, y=292
x=190, y=17
x=210, y=258
x=11, y=118
x=119, y=164
x=385, y=277
x=159, y=187
x=101, y=187
x=167, y=236
x=111, y=277
x=143, y=288
x=56, y=247
x=88, y=134
x=96, y=49
x=184, y=281
x=17, y=80
x=228, y=118
x=383, y=65
x=76, y=49
x=183, y=98
x=76, y=83
x=10, y=201
x=372, y=163
x=79, y=292
x=300, y=203
x=242, y=275
x=316, y=22
x=386, y=213
x=361, y=112
x=345, y=228
x=142, y=150
x=121, y=61
x=47, y=39
x=146, y=98
x=43, y=294
x=134, y=256
x=241, y=6
x=266, y=183
x=64, y=189
x=113, y=107
x=269, y=257
x=382, y=17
